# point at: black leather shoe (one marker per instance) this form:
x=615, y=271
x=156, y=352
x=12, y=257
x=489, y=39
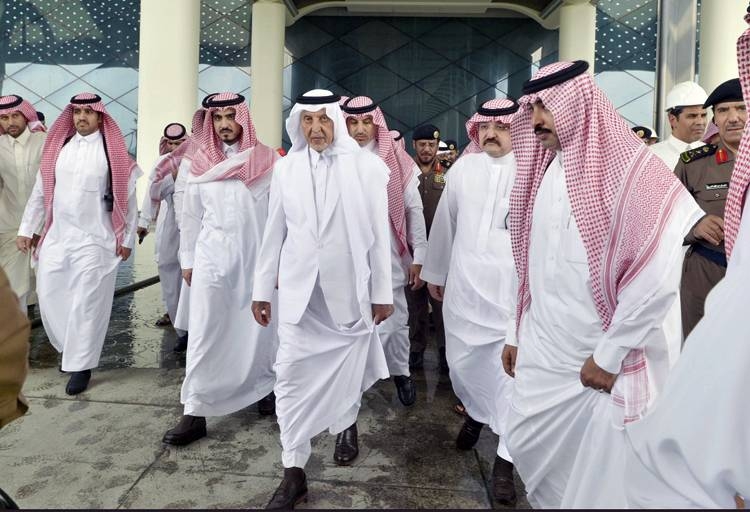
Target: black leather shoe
x=469, y=434
x=267, y=404
x=347, y=447
x=405, y=389
x=443, y=364
x=78, y=382
x=503, y=487
x=416, y=360
x=6, y=502
x=291, y=490
x=181, y=345
x=189, y=429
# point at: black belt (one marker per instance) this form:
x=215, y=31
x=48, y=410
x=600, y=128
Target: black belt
x=717, y=257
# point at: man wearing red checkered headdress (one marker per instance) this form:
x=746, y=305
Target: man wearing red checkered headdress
x=597, y=223
x=167, y=243
x=21, y=140
x=692, y=450
x=85, y=198
x=366, y=124
x=469, y=267
x=230, y=357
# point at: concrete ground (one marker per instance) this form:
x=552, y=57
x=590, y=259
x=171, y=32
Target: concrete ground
x=102, y=449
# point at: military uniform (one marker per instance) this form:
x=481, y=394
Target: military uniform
x=705, y=172
x=431, y=185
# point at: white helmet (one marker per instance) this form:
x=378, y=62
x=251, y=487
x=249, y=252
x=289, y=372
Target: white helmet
x=685, y=94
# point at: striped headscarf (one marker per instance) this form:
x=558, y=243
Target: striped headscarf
x=121, y=164
x=15, y=103
x=498, y=110
x=621, y=196
x=210, y=148
x=741, y=172
x=172, y=132
x=398, y=161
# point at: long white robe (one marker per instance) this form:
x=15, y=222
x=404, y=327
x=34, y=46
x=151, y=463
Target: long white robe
x=167, y=246
x=229, y=363
x=470, y=253
x=567, y=440
x=693, y=448
x=19, y=163
x=181, y=319
x=77, y=261
x=329, y=274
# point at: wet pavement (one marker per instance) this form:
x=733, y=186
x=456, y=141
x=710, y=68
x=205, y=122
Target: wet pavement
x=102, y=449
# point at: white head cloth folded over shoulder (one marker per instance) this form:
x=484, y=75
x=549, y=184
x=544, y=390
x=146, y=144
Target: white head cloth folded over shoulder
x=312, y=101
x=621, y=195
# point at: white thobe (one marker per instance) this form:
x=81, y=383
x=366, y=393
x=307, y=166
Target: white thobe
x=77, y=260
x=670, y=149
x=470, y=253
x=394, y=331
x=167, y=246
x=229, y=362
x=567, y=440
x=328, y=277
x=181, y=318
x=19, y=163
x=692, y=449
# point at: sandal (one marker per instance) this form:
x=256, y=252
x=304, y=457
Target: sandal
x=459, y=409
x=163, y=321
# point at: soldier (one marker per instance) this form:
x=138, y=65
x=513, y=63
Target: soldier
x=425, y=140
x=706, y=172
x=643, y=133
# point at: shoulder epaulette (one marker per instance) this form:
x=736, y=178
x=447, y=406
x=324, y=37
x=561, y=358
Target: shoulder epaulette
x=691, y=155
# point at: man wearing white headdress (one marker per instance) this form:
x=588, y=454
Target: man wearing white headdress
x=469, y=267
x=326, y=244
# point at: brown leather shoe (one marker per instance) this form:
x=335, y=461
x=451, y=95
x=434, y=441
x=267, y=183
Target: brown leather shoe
x=469, y=434
x=503, y=486
x=189, y=429
x=347, y=447
x=291, y=490
x=267, y=404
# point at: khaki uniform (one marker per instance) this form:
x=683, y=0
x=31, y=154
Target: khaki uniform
x=431, y=187
x=14, y=354
x=705, y=172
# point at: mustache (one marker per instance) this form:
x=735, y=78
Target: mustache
x=491, y=139
x=539, y=130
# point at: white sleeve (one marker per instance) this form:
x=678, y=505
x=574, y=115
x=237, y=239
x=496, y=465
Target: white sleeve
x=274, y=234
x=381, y=285
x=192, y=216
x=416, y=232
x=179, y=189
x=131, y=219
x=147, y=214
x=440, y=244
x=33, y=214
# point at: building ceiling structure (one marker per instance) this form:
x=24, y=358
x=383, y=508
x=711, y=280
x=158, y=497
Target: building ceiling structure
x=545, y=12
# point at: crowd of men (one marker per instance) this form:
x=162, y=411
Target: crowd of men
x=564, y=261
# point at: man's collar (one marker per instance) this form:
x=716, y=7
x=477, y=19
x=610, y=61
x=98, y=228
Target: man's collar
x=24, y=137
x=372, y=146
x=91, y=137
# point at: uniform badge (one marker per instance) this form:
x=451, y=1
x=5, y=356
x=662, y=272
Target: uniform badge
x=439, y=178
x=721, y=156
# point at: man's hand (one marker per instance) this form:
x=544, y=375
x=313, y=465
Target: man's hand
x=123, y=252
x=414, y=280
x=141, y=232
x=436, y=291
x=261, y=312
x=23, y=244
x=187, y=275
x=594, y=377
x=509, y=359
x=710, y=228
x=380, y=312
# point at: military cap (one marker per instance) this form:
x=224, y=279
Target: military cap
x=40, y=116
x=452, y=145
x=731, y=90
x=642, y=132
x=426, y=131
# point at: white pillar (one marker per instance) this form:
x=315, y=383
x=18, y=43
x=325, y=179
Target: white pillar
x=267, y=69
x=721, y=25
x=167, y=73
x=577, y=38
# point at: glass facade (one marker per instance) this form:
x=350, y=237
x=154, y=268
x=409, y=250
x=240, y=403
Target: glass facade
x=421, y=70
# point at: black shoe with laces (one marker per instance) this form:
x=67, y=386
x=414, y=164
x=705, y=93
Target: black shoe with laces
x=291, y=490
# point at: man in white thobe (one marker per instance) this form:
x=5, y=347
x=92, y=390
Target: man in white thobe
x=230, y=358
x=167, y=245
x=21, y=140
x=687, y=118
x=693, y=448
x=597, y=223
x=469, y=267
x=326, y=244
x=85, y=196
x=366, y=124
